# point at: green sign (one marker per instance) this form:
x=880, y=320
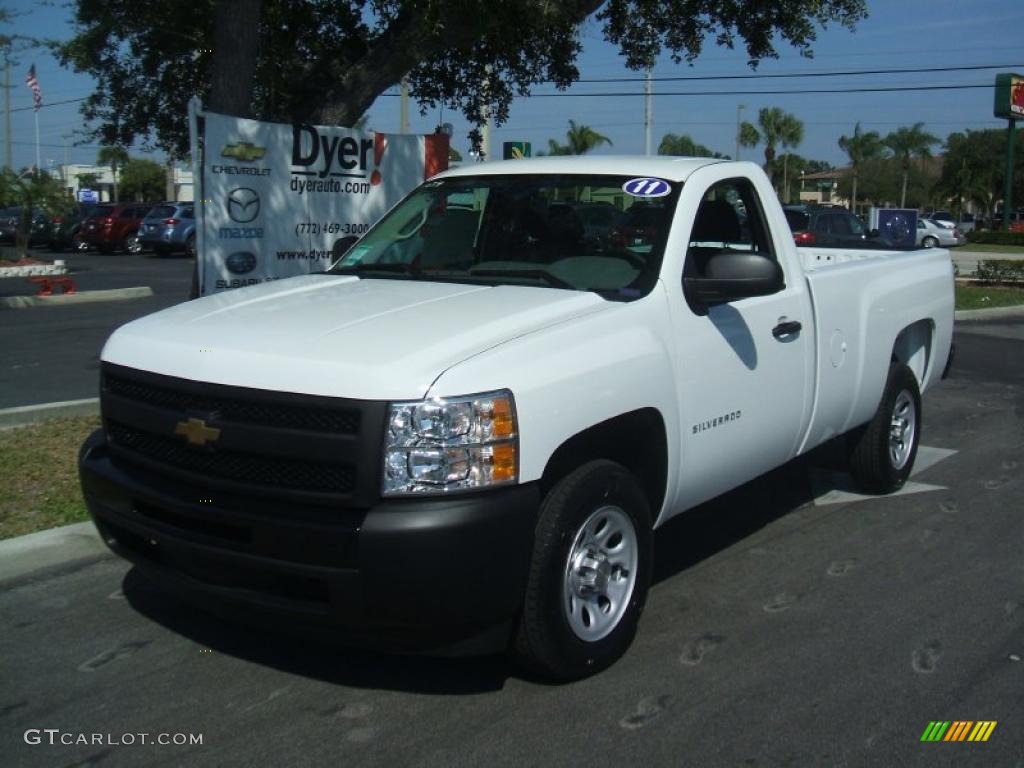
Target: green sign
x=515, y=150
x=1009, y=96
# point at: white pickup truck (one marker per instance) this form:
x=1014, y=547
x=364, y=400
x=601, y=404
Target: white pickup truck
x=464, y=432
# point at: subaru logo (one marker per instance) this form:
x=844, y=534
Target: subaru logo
x=241, y=262
x=243, y=205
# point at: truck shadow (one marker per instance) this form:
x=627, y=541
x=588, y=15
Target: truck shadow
x=679, y=545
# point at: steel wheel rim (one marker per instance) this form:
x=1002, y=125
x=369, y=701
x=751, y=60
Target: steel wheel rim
x=902, y=429
x=600, y=573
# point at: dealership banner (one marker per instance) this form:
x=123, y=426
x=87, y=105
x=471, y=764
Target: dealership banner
x=275, y=198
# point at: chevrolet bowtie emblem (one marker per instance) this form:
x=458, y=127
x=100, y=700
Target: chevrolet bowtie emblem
x=244, y=151
x=196, y=431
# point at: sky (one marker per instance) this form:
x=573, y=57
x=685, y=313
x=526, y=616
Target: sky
x=897, y=35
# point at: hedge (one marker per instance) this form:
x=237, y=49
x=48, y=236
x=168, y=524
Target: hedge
x=1000, y=271
x=995, y=237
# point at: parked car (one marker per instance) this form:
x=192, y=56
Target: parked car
x=115, y=226
x=942, y=218
x=931, y=234
x=65, y=228
x=831, y=227
x=966, y=224
x=39, y=230
x=168, y=228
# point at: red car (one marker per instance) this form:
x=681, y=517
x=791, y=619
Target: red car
x=114, y=226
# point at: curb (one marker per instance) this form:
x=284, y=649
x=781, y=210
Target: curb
x=34, y=551
x=996, y=313
x=32, y=414
x=82, y=297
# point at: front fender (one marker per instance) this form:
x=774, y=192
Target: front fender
x=576, y=374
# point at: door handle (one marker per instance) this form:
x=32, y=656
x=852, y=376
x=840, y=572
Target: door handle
x=786, y=328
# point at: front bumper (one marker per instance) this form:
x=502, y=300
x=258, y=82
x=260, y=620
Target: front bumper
x=418, y=571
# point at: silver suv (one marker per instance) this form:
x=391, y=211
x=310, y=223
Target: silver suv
x=169, y=228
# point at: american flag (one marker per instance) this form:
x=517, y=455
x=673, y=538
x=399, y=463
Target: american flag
x=33, y=82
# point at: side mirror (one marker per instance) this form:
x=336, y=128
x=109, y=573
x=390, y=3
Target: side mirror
x=731, y=275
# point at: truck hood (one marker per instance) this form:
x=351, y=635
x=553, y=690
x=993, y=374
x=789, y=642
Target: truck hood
x=337, y=335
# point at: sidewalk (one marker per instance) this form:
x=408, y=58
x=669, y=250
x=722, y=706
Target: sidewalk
x=967, y=261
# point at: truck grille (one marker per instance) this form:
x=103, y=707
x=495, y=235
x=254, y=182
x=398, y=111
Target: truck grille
x=231, y=465
x=341, y=421
x=258, y=443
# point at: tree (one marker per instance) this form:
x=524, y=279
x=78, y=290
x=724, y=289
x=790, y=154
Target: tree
x=580, y=139
x=775, y=127
x=143, y=181
x=682, y=145
x=906, y=143
x=87, y=180
x=112, y=156
x=33, y=192
x=328, y=60
x=975, y=168
x=859, y=147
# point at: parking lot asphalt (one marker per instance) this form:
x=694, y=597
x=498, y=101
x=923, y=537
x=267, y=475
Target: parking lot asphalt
x=51, y=354
x=786, y=627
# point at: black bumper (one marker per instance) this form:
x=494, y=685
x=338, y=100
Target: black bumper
x=445, y=567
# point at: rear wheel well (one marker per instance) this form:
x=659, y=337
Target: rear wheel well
x=636, y=440
x=913, y=348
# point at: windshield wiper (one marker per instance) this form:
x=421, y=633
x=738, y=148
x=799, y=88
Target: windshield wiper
x=400, y=268
x=533, y=274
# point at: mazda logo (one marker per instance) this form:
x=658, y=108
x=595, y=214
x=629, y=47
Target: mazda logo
x=243, y=205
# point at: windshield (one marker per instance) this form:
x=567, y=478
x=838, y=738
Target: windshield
x=584, y=233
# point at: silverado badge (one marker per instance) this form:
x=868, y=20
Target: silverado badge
x=196, y=431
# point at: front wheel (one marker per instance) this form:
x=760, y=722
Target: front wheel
x=589, y=573
x=882, y=452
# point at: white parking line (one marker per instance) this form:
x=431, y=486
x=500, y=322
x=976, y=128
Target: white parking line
x=838, y=487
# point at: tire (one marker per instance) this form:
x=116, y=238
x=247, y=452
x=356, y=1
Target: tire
x=929, y=242
x=131, y=243
x=589, y=573
x=190, y=246
x=880, y=458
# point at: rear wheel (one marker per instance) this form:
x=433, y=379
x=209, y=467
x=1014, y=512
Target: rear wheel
x=929, y=242
x=190, y=246
x=589, y=574
x=132, y=243
x=882, y=452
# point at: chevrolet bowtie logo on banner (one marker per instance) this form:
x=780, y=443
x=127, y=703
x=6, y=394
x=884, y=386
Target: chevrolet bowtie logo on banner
x=196, y=431
x=958, y=730
x=244, y=151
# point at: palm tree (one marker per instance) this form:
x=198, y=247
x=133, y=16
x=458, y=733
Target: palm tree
x=859, y=147
x=112, y=155
x=683, y=145
x=580, y=139
x=775, y=127
x=905, y=143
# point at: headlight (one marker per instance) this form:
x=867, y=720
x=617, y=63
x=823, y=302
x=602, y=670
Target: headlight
x=451, y=444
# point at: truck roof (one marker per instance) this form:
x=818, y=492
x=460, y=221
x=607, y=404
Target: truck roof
x=665, y=167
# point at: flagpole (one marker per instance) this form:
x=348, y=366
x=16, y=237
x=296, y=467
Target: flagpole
x=38, y=163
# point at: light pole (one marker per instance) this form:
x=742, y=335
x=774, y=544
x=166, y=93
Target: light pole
x=739, y=113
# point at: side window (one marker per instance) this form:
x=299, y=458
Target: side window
x=822, y=224
x=840, y=225
x=729, y=218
